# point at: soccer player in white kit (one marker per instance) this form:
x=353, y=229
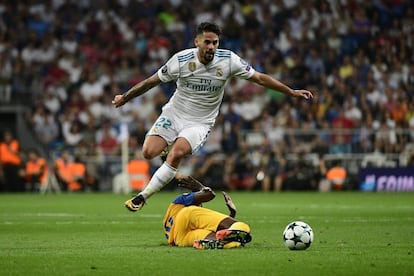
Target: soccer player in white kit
x=200, y=74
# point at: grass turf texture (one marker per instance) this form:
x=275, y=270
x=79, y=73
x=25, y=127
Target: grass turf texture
x=93, y=234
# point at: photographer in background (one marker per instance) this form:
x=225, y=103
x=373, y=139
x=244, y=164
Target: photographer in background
x=10, y=163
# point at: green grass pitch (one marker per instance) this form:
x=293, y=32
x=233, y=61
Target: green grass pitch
x=93, y=234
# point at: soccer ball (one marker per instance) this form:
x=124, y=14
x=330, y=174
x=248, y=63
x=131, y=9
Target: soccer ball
x=298, y=235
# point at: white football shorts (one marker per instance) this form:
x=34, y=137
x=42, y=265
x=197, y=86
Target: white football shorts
x=170, y=127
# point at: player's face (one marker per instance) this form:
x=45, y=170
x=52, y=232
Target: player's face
x=207, y=44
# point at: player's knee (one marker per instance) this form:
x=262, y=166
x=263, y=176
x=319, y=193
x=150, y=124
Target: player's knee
x=176, y=154
x=148, y=153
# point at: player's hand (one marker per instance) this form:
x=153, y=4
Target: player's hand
x=303, y=93
x=118, y=101
x=230, y=204
x=207, y=189
x=189, y=182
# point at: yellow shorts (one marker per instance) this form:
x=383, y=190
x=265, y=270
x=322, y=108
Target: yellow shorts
x=195, y=223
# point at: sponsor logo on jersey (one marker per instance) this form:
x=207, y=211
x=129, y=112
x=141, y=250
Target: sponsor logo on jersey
x=205, y=85
x=219, y=72
x=191, y=66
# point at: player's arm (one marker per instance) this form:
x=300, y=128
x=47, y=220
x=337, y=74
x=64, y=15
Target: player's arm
x=201, y=192
x=230, y=205
x=269, y=82
x=188, y=182
x=204, y=195
x=137, y=90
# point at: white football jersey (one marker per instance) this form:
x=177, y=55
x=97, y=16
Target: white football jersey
x=200, y=87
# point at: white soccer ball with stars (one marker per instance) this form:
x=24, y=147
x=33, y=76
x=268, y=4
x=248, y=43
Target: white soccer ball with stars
x=298, y=235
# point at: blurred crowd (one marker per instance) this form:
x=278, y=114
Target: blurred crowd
x=67, y=59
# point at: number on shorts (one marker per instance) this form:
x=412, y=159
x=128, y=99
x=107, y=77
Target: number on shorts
x=163, y=122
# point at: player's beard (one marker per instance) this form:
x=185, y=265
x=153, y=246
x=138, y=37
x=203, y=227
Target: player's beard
x=209, y=56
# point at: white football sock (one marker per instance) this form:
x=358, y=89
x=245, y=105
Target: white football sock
x=161, y=177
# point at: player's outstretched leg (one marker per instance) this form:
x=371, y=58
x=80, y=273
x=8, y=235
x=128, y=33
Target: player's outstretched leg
x=161, y=177
x=136, y=203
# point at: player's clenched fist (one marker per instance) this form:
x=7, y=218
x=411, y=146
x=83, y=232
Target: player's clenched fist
x=118, y=101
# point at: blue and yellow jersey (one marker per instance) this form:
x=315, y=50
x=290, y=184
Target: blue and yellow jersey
x=174, y=208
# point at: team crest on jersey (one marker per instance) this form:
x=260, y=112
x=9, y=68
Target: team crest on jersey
x=191, y=66
x=219, y=72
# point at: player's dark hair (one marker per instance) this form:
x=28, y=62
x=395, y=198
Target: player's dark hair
x=208, y=27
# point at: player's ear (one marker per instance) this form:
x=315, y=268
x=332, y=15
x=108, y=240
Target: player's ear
x=196, y=41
